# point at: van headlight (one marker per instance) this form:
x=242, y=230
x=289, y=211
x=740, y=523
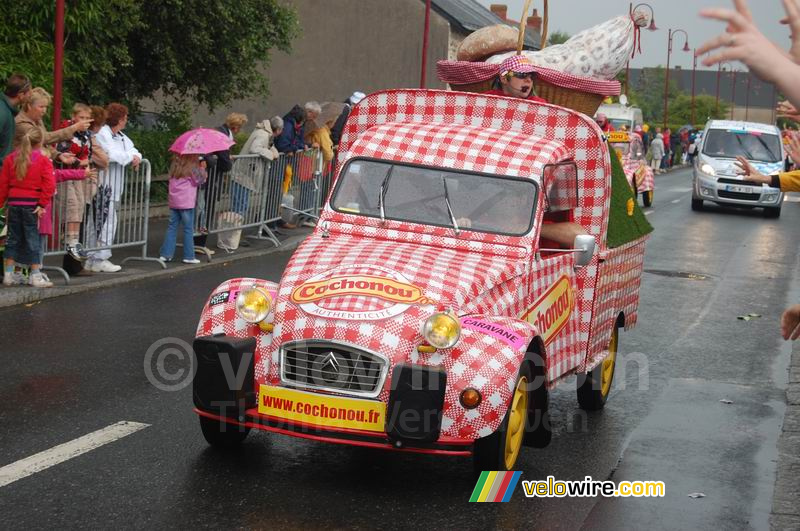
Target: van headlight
x=708, y=169
x=253, y=305
x=442, y=330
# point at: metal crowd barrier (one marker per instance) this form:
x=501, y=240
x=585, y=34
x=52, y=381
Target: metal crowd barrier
x=115, y=214
x=252, y=194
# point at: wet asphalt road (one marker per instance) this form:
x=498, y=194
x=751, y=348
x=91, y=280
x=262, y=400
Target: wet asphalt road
x=75, y=364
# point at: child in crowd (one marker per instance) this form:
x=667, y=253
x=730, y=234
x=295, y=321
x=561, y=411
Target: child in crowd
x=186, y=174
x=28, y=183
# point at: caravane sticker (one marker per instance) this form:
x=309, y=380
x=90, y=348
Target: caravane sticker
x=506, y=335
x=551, y=312
x=230, y=296
x=390, y=287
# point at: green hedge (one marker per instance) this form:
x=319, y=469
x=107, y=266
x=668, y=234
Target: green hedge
x=623, y=228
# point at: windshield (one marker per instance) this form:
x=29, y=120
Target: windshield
x=619, y=122
x=752, y=145
x=481, y=203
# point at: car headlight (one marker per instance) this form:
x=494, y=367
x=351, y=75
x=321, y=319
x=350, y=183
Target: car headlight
x=707, y=169
x=442, y=330
x=253, y=305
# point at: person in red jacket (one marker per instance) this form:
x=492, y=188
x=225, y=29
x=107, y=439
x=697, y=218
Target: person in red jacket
x=27, y=182
x=516, y=79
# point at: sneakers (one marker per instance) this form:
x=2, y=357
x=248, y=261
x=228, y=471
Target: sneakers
x=191, y=261
x=103, y=266
x=14, y=279
x=75, y=250
x=40, y=280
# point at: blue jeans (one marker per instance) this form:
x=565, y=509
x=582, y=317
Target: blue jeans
x=179, y=217
x=23, y=244
x=240, y=198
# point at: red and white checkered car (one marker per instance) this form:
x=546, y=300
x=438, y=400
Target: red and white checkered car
x=425, y=313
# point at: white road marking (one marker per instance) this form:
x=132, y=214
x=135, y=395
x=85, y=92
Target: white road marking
x=675, y=201
x=680, y=190
x=648, y=212
x=64, y=452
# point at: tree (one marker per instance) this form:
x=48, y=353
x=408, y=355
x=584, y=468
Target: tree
x=125, y=50
x=557, y=37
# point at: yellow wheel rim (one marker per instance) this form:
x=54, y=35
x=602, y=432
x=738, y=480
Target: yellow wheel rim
x=518, y=416
x=607, y=368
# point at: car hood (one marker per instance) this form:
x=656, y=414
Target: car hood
x=356, y=281
x=727, y=167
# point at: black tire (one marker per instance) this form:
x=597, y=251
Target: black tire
x=592, y=394
x=647, y=198
x=772, y=212
x=697, y=205
x=221, y=434
x=489, y=453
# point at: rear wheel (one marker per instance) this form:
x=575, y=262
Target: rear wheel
x=772, y=212
x=221, y=434
x=595, y=385
x=500, y=450
x=647, y=198
x=697, y=204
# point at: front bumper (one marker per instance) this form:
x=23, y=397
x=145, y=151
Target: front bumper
x=734, y=193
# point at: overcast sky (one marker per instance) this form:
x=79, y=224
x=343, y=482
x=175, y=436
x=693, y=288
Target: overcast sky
x=573, y=16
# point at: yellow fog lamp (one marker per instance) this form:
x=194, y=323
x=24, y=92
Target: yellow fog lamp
x=442, y=330
x=470, y=398
x=253, y=305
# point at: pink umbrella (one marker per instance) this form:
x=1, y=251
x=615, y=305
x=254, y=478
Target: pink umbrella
x=201, y=142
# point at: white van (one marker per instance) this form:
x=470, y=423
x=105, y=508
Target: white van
x=619, y=115
x=716, y=177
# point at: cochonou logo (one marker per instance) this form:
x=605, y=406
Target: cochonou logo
x=392, y=292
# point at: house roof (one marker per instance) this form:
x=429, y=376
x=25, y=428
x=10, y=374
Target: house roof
x=468, y=16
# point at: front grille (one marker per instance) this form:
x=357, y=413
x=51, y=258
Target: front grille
x=738, y=195
x=333, y=367
x=723, y=180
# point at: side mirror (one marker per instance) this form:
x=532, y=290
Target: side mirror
x=585, y=245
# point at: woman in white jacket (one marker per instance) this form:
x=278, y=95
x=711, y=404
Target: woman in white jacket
x=246, y=175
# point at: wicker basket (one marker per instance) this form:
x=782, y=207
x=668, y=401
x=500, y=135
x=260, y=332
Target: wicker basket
x=584, y=102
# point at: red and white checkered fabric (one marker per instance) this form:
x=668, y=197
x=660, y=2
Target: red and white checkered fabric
x=460, y=147
x=465, y=72
x=619, y=278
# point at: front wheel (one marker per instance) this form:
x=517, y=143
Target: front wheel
x=772, y=212
x=595, y=385
x=221, y=434
x=697, y=204
x=500, y=450
x=647, y=198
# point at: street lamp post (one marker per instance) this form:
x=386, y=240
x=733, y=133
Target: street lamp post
x=666, y=77
x=719, y=72
x=747, y=98
x=694, y=71
x=733, y=92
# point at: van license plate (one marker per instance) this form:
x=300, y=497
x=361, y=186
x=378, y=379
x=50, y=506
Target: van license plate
x=739, y=189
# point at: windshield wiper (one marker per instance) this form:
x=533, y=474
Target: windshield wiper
x=449, y=208
x=382, y=195
x=773, y=155
x=748, y=155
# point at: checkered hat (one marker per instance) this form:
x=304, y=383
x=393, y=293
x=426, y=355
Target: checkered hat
x=516, y=63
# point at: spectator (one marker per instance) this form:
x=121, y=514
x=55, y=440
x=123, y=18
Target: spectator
x=18, y=89
x=33, y=110
x=219, y=163
x=74, y=192
x=313, y=110
x=320, y=130
x=121, y=153
x=603, y=123
x=674, y=143
x=186, y=174
x=28, y=183
x=338, y=127
x=665, y=160
x=291, y=139
x=657, y=153
x=261, y=142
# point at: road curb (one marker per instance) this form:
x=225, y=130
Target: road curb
x=785, y=509
x=27, y=295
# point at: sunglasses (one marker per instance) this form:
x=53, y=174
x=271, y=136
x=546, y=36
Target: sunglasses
x=523, y=75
